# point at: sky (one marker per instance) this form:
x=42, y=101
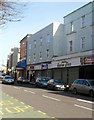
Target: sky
x=36, y=15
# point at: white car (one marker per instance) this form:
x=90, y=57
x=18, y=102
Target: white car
x=1, y=77
x=84, y=86
x=8, y=79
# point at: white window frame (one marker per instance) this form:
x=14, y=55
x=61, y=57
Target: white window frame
x=47, y=53
x=83, y=42
x=29, y=46
x=40, y=55
x=72, y=26
x=35, y=43
x=71, y=46
x=83, y=21
x=48, y=38
x=34, y=56
x=41, y=41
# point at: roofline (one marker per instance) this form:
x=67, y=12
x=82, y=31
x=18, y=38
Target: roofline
x=46, y=27
x=78, y=9
x=24, y=37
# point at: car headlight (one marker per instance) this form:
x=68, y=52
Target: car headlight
x=57, y=85
x=67, y=85
x=61, y=86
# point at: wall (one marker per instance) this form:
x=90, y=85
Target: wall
x=78, y=30
x=59, y=40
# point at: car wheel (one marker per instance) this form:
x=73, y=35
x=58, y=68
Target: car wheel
x=75, y=91
x=91, y=93
x=2, y=82
x=48, y=87
x=18, y=82
x=36, y=85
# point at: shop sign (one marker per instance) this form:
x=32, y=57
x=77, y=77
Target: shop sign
x=63, y=64
x=44, y=66
x=89, y=60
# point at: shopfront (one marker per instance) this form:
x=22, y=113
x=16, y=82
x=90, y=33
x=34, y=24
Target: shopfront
x=87, y=68
x=66, y=69
x=21, y=68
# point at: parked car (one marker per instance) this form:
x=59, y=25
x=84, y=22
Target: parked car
x=1, y=77
x=55, y=84
x=8, y=79
x=84, y=86
x=23, y=80
x=42, y=81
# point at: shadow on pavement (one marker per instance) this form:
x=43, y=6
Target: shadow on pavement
x=70, y=94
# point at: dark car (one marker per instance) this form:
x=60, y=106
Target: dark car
x=23, y=80
x=42, y=81
x=84, y=86
x=55, y=84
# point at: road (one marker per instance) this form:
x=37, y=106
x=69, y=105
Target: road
x=27, y=101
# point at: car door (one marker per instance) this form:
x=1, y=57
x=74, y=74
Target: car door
x=79, y=86
x=86, y=87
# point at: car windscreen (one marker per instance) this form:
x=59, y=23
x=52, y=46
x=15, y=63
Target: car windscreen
x=9, y=77
x=91, y=82
x=57, y=81
x=45, y=79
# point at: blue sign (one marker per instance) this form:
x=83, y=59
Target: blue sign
x=21, y=64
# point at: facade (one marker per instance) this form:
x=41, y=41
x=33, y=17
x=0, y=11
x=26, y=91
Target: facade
x=12, y=60
x=21, y=65
x=60, y=51
x=77, y=60
x=42, y=47
x=3, y=69
x=64, y=51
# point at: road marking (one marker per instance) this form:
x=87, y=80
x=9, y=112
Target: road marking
x=1, y=111
x=83, y=107
x=16, y=87
x=51, y=98
x=29, y=91
x=6, y=102
x=22, y=102
x=41, y=112
x=85, y=101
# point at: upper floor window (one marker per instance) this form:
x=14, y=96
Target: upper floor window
x=41, y=40
x=40, y=55
x=34, y=56
x=29, y=46
x=34, y=43
x=70, y=46
x=47, y=53
x=48, y=38
x=83, y=21
x=72, y=26
x=23, y=43
x=83, y=42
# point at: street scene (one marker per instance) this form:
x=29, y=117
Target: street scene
x=27, y=101
x=46, y=60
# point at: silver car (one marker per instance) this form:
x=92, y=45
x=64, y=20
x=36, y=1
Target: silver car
x=84, y=86
x=8, y=79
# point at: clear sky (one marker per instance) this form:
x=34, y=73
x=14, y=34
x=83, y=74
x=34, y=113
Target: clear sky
x=37, y=15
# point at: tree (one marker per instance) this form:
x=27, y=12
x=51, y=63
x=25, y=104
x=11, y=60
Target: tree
x=10, y=11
